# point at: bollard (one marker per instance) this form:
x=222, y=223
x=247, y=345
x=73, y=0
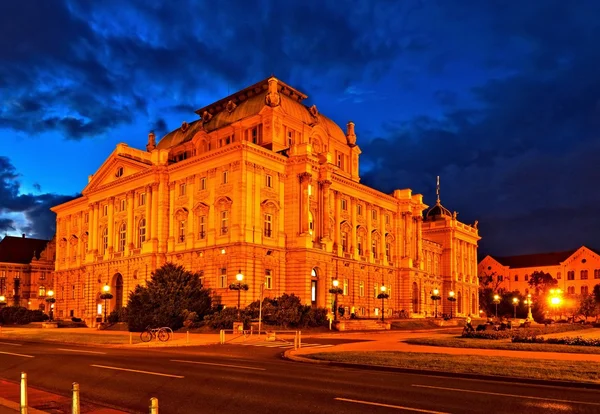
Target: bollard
x=153, y=405
x=23, y=393
x=299, y=339
x=75, y=404
x=130, y=338
x=187, y=337
x=222, y=336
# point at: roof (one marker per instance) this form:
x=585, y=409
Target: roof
x=437, y=211
x=246, y=103
x=535, y=260
x=21, y=250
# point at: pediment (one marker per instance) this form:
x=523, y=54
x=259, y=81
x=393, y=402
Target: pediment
x=116, y=168
x=583, y=253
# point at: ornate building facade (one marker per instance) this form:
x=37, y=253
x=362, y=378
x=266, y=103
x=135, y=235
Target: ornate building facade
x=26, y=271
x=263, y=185
x=576, y=271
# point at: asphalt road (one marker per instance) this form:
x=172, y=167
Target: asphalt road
x=245, y=379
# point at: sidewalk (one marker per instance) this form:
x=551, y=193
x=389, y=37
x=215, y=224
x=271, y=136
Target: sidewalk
x=43, y=402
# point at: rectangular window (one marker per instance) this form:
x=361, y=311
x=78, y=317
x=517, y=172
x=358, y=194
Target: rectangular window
x=500, y=278
x=73, y=290
x=571, y=275
x=254, y=134
x=290, y=137
x=359, y=209
x=387, y=219
x=202, y=227
x=182, y=189
x=309, y=190
x=361, y=289
x=105, y=210
x=344, y=241
x=268, y=225
x=558, y=276
x=526, y=278
x=583, y=274
x=223, y=278
x=123, y=205
x=269, y=181
x=388, y=250
x=596, y=273
x=374, y=248
x=375, y=290
x=345, y=287
x=584, y=291
x=182, y=231
x=224, y=221
x=344, y=204
x=516, y=278
x=360, y=245
x=268, y=279
x=86, y=218
x=142, y=200
x=225, y=177
x=374, y=214
x=203, y=183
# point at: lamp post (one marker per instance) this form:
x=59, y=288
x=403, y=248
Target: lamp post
x=451, y=299
x=515, y=304
x=383, y=295
x=496, y=301
x=239, y=286
x=50, y=300
x=336, y=290
x=106, y=295
x=528, y=302
x=2, y=301
x=435, y=296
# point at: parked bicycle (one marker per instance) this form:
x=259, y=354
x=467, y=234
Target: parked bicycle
x=163, y=334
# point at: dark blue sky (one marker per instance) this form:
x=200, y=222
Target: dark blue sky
x=499, y=98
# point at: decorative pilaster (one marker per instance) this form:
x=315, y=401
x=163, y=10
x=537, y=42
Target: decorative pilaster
x=419, y=253
x=130, y=223
x=111, y=224
x=305, y=179
x=148, y=212
x=369, y=216
x=325, y=187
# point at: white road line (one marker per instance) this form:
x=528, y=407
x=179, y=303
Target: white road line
x=9, y=343
x=218, y=365
x=21, y=355
x=138, y=371
x=398, y=407
x=507, y=395
x=78, y=350
x=318, y=346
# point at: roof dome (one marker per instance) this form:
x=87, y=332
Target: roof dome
x=437, y=211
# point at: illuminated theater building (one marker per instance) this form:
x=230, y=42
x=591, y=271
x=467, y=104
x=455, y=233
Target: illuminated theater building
x=264, y=185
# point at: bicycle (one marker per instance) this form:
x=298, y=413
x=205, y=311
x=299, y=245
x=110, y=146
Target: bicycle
x=163, y=334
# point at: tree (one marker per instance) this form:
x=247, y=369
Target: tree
x=489, y=284
x=541, y=282
x=171, y=294
x=596, y=293
x=588, y=306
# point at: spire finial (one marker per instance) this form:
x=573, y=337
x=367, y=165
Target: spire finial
x=437, y=189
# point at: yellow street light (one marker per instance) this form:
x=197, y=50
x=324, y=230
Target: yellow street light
x=239, y=276
x=383, y=296
x=106, y=288
x=515, y=303
x=50, y=293
x=2, y=298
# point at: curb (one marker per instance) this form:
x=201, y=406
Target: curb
x=137, y=345
x=17, y=407
x=497, y=378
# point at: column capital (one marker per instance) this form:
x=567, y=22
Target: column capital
x=305, y=176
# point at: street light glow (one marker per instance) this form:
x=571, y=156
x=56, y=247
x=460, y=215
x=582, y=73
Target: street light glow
x=336, y=282
x=555, y=301
x=106, y=288
x=50, y=293
x=2, y=298
x=239, y=276
x=383, y=288
x=516, y=301
x=451, y=294
x=436, y=292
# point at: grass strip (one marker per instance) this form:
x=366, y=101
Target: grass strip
x=576, y=371
x=502, y=344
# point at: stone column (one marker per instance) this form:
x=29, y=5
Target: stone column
x=153, y=218
x=337, y=208
x=130, y=224
x=382, y=229
x=111, y=224
x=189, y=239
x=419, y=232
x=148, y=212
x=369, y=246
x=305, y=179
x=353, y=237
x=169, y=213
x=326, y=186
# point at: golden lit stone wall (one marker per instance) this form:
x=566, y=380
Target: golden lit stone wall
x=261, y=184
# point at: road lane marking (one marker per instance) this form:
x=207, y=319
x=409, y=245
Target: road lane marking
x=218, y=365
x=10, y=343
x=78, y=350
x=21, y=355
x=138, y=371
x=398, y=407
x=507, y=395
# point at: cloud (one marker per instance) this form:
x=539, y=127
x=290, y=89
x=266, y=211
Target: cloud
x=35, y=209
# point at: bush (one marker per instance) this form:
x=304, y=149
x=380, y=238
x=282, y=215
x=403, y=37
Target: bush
x=531, y=332
x=577, y=341
x=226, y=317
x=118, y=315
x=17, y=315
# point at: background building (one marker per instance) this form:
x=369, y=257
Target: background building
x=264, y=185
x=26, y=270
x=577, y=271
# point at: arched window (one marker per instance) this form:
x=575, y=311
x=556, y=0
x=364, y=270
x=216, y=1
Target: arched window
x=122, y=237
x=104, y=240
x=313, y=285
x=141, y=232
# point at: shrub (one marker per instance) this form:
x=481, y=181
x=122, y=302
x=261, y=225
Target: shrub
x=17, y=315
x=226, y=317
x=118, y=315
x=530, y=332
x=577, y=341
x=314, y=317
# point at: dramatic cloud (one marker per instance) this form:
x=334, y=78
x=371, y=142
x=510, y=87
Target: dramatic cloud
x=34, y=209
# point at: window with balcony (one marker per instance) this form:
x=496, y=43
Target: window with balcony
x=201, y=227
x=224, y=221
x=268, y=279
x=182, y=225
x=268, y=225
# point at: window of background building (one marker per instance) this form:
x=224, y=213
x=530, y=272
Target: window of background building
x=142, y=200
x=516, y=278
x=361, y=289
x=42, y=291
x=571, y=290
x=123, y=205
x=203, y=183
x=43, y=276
x=596, y=273
x=122, y=237
x=268, y=279
x=526, y=278
x=583, y=274
x=104, y=240
x=570, y=275
x=202, y=227
x=182, y=189
x=345, y=288
x=223, y=278
x=2, y=285
x=558, y=276
x=584, y=291
x=225, y=177
x=141, y=232
x=224, y=221
x=268, y=225
x=359, y=209
x=374, y=214
x=269, y=181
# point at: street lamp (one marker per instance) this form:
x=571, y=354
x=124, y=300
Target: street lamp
x=515, y=304
x=336, y=290
x=50, y=300
x=435, y=296
x=496, y=301
x=2, y=301
x=239, y=286
x=106, y=295
x=555, y=299
x=383, y=295
x=528, y=302
x=451, y=299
